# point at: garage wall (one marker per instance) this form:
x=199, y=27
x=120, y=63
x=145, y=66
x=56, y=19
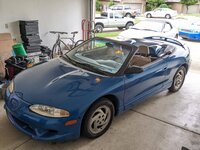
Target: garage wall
x=60, y=15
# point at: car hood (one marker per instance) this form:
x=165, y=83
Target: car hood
x=191, y=27
x=55, y=82
x=135, y=33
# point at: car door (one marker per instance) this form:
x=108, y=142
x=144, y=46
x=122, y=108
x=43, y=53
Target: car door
x=119, y=20
x=111, y=20
x=156, y=12
x=140, y=85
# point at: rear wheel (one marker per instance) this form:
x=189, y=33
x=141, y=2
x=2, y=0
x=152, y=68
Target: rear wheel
x=98, y=119
x=129, y=24
x=99, y=28
x=178, y=79
x=149, y=16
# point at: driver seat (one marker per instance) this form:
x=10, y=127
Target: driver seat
x=142, y=59
x=143, y=50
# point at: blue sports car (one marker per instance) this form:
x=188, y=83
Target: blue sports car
x=81, y=91
x=191, y=32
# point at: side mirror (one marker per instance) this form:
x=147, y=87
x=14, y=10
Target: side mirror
x=134, y=69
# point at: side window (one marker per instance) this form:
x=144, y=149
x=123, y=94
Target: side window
x=127, y=8
x=114, y=8
x=120, y=8
x=167, y=27
x=158, y=9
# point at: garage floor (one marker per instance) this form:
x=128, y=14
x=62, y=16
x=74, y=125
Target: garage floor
x=164, y=122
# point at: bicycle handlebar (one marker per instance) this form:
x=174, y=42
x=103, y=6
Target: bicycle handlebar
x=58, y=32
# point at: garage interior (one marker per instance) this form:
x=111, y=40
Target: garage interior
x=166, y=121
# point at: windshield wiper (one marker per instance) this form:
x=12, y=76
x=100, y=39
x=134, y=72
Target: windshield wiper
x=85, y=65
x=92, y=68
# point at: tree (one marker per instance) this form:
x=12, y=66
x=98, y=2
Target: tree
x=164, y=6
x=98, y=5
x=188, y=3
x=111, y=3
x=152, y=4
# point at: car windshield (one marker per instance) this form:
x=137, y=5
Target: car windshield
x=100, y=55
x=149, y=26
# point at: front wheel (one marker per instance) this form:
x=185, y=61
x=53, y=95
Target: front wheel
x=149, y=16
x=99, y=28
x=98, y=119
x=178, y=79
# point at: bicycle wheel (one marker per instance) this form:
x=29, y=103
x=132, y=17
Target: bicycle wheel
x=56, y=50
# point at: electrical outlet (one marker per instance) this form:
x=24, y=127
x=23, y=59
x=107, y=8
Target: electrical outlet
x=6, y=26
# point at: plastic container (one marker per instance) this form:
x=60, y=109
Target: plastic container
x=19, y=50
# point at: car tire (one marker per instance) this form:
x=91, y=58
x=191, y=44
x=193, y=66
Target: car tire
x=168, y=16
x=98, y=118
x=128, y=15
x=129, y=24
x=178, y=79
x=148, y=15
x=99, y=28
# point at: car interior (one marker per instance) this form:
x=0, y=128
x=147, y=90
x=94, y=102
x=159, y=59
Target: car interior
x=148, y=54
x=113, y=56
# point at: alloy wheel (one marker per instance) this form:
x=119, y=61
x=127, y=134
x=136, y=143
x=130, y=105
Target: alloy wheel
x=100, y=119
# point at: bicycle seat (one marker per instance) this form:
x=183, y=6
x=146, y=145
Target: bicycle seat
x=57, y=32
x=75, y=32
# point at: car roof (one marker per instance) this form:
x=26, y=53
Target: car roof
x=156, y=20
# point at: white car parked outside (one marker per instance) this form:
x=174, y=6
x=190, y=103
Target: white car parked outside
x=161, y=13
x=149, y=27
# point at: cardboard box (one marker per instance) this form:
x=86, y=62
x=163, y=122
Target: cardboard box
x=6, y=43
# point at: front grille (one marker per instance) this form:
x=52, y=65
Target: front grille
x=34, y=131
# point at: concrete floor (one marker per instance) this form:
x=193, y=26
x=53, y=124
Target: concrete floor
x=164, y=122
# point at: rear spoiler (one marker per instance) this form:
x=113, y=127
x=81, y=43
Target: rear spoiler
x=170, y=40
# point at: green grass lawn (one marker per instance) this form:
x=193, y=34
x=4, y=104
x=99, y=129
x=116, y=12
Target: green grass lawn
x=108, y=34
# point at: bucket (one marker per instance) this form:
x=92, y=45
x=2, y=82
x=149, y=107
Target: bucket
x=19, y=50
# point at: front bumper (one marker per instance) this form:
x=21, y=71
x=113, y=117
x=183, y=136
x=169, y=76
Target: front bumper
x=189, y=35
x=36, y=126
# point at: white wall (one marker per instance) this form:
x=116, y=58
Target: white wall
x=59, y=15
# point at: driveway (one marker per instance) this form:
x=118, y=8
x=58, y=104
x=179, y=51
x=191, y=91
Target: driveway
x=195, y=54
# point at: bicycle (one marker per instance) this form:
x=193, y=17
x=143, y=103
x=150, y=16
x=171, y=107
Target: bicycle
x=57, y=50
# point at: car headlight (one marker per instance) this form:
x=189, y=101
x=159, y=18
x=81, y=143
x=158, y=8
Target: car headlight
x=11, y=86
x=49, y=111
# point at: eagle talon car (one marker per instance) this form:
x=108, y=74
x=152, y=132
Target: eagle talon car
x=84, y=89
